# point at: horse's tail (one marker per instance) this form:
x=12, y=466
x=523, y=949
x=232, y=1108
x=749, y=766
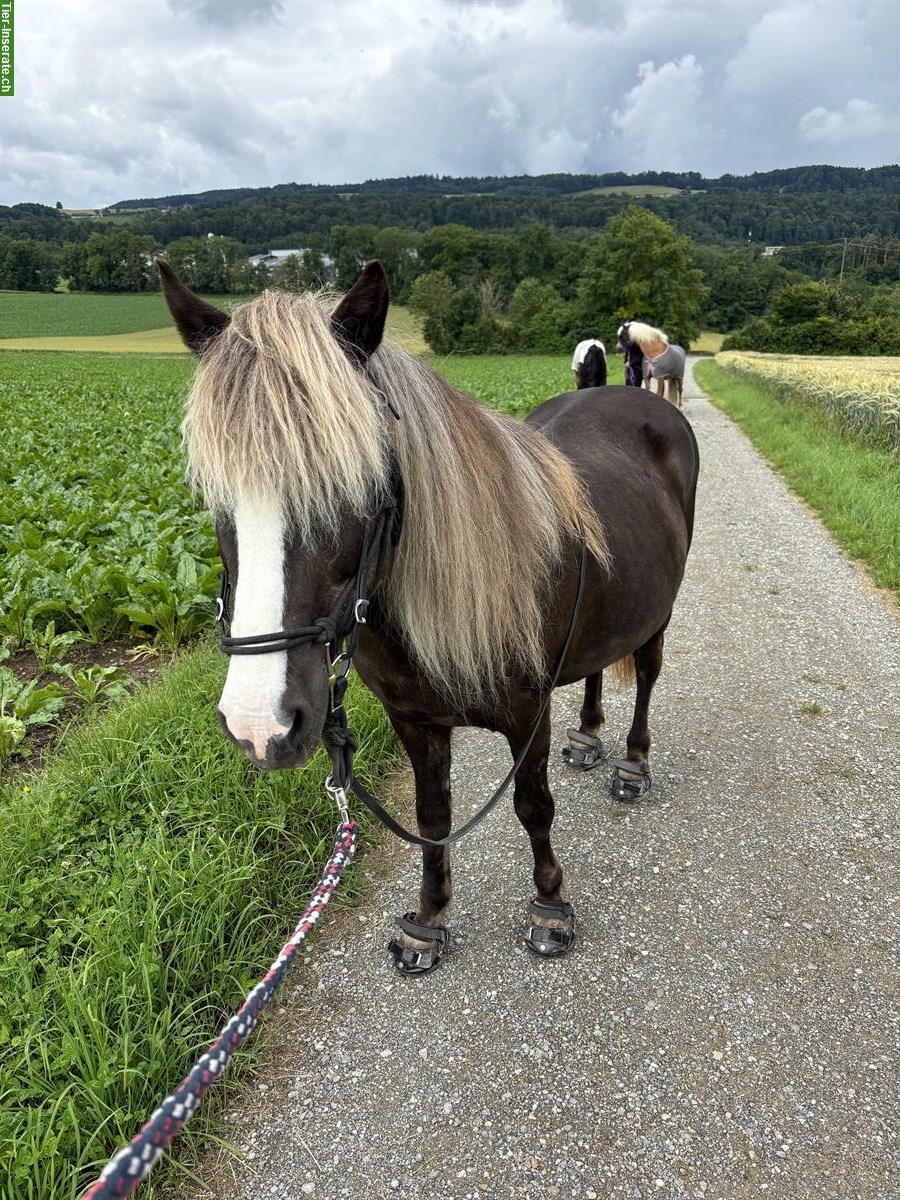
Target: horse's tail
x=623, y=672
x=593, y=369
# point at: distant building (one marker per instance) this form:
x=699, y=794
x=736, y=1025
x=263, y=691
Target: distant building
x=272, y=258
x=771, y=251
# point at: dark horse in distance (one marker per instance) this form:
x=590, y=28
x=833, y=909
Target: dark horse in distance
x=301, y=424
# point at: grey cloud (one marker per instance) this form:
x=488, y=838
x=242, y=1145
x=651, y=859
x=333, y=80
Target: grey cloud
x=228, y=12
x=355, y=89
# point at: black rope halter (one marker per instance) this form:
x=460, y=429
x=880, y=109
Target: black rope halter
x=351, y=607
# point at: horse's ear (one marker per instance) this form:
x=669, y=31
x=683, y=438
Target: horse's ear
x=197, y=322
x=358, y=321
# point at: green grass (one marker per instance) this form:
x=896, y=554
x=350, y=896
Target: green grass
x=852, y=484
x=515, y=383
x=148, y=878
x=130, y=324
x=80, y=314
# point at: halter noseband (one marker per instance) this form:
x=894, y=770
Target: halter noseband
x=380, y=531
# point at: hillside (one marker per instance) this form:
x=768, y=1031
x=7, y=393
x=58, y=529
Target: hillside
x=820, y=204
x=794, y=179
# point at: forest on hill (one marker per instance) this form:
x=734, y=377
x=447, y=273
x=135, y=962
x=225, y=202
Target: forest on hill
x=789, y=207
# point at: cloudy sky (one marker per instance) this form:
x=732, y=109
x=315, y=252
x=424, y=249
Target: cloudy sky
x=116, y=100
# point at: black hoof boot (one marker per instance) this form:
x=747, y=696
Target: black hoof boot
x=551, y=940
x=413, y=961
x=630, y=781
x=587, y=752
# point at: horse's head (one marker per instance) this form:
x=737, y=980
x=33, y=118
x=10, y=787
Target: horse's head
x=287, y=442
x=622, y=339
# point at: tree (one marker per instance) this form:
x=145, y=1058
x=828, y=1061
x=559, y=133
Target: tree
x=540, y=320
x=28, y=266
x=640, y=267
x=118, y=262
x=211, y=265
x=397, y=251
x=432, y=297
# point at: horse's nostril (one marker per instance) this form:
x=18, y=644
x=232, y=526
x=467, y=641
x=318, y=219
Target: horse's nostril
x=293, y=734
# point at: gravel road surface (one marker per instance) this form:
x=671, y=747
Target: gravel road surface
x=727, y=1024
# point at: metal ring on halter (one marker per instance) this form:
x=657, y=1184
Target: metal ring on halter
x=220, y=610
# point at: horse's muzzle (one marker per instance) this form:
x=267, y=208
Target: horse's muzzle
x=280, y=751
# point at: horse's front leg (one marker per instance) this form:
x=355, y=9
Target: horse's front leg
x=422, y=939
x=551, y=928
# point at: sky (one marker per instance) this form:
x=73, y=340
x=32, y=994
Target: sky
x=142, y=98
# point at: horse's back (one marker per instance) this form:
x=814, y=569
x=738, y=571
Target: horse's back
x=609, y=430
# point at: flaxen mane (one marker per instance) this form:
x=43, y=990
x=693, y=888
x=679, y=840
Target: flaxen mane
x=645, y=335
x=277, y=411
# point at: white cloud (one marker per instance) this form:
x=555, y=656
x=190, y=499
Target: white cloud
x=857, y=119
x=662, y=121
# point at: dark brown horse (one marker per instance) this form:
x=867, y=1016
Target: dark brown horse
x=292, y=436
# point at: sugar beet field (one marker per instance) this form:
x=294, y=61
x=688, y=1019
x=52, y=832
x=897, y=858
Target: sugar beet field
x=146, y=872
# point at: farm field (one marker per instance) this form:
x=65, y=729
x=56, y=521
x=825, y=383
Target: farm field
x=863, y=391
x=632, y=189
x=127, y=324
x=709, y=342
x=84, y=314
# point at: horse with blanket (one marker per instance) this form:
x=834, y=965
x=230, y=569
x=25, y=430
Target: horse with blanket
x=645, y=344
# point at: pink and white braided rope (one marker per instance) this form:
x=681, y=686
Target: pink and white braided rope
x=133, y=1163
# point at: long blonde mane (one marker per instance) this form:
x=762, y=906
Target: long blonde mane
x=645, y=335
x=278, y=411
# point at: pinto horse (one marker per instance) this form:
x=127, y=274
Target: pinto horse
x=300, y=426
x=589, y=364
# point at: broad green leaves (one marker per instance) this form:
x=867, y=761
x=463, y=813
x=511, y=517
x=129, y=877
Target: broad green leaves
x=98, y=532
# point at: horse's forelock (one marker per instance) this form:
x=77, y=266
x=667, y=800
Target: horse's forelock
x=278, y=411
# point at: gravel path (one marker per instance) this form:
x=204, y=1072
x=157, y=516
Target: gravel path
x=727, y=1025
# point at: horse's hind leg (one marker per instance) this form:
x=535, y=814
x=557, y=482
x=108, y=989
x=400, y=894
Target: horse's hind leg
x=422, y=939
x=585, y=750
x=551, y=919
x=631, y=776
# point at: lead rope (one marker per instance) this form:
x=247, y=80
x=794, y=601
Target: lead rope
x=134, y=1162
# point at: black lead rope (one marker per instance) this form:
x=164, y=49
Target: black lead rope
x=341, y=743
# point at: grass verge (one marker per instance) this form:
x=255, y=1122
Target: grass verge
x=852, y=483
x=148, y=877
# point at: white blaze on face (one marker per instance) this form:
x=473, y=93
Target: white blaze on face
x=251, y=699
